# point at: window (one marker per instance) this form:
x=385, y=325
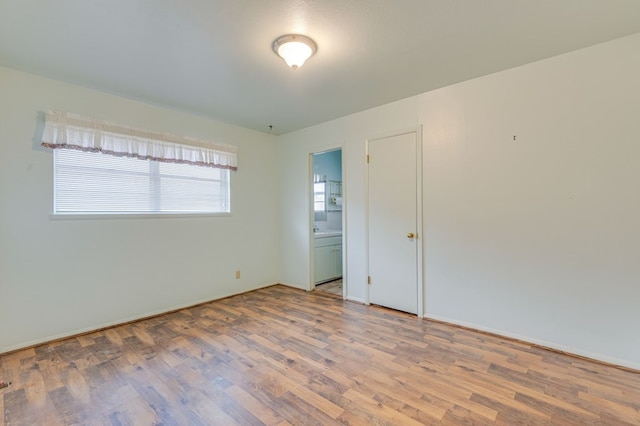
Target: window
x=102, y=168
x=89, y=182
x=319, y=196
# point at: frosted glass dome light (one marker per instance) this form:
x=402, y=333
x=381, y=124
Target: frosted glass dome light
x=295, y=49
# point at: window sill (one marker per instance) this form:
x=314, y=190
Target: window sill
x=84, y=216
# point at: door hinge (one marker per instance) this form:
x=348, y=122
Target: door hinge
x=367, y=158
x=369, y=279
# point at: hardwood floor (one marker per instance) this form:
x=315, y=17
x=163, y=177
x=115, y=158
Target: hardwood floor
x=333, y=287
x=280, y=356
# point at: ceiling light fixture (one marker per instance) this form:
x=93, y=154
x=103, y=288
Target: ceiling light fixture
x=295, y=49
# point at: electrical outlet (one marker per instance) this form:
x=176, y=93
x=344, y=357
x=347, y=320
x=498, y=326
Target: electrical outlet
x=237, y=275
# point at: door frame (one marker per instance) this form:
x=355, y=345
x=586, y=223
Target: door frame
x=311, y=220
x=419, y=225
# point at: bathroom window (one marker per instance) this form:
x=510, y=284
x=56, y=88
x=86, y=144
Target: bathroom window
x=319, y=196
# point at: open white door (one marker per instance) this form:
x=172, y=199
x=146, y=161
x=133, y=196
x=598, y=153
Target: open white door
x=393, y=222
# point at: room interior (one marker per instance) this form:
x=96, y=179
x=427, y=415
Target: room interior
x=527, y=116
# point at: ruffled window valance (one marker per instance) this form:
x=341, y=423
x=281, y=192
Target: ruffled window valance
x=70, y=131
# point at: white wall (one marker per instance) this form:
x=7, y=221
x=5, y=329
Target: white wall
x=536, y=238
x=59, y=277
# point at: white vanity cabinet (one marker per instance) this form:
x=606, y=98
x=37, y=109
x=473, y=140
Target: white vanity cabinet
x=327, y=258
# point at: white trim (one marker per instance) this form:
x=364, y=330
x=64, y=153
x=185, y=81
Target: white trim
x=531, y=340
x=397, y=132
x=311, y=223
x=356, y=299
x=297, y=287
x=367, y=285
x=420, y=260
x=159, y=215
x=122, y=321
x=311, y=219
x=345, y=265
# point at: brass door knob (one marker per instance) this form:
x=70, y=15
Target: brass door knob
x=410, y=235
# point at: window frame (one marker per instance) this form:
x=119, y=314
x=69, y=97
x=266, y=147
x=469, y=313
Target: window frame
x=154, y=176
x=68, y=131
x=317, y=194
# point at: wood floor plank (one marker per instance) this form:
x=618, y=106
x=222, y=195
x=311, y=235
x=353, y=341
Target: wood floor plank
x=281, y=356
x=398, y=393
x=379, y=411
x=261, y=411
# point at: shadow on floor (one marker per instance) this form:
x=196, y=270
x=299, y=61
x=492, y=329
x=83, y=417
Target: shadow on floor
x=333, y=287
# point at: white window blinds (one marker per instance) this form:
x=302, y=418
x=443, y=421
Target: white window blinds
x=95, y=174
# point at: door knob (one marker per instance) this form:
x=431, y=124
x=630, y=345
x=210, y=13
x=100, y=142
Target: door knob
x=410, y=235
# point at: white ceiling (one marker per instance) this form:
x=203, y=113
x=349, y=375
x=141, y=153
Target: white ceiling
x=214, y=58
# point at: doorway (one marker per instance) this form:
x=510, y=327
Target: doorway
x=327, y=201
x=394, y=229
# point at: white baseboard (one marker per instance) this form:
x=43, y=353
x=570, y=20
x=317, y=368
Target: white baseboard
x=356, y=299
x=538, y=342
x=117, y=322
x=293, y=286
